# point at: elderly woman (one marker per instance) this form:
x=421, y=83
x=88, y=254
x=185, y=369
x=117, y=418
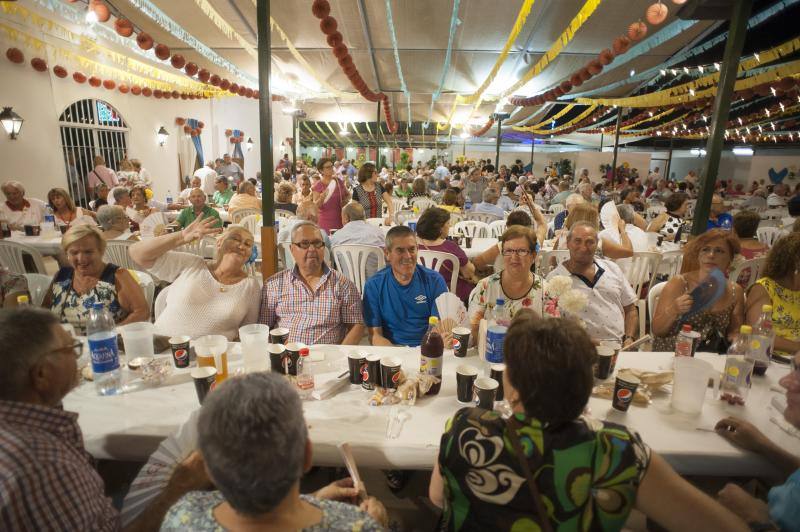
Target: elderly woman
x=100, y=196
x=64, y=209
x=433, y=228
x=215, y=298
x=713, y=250
x=745, y=225
x=283, y=197
x=779, y=287
x=140, y=209
x=114, y=223
x=589, y=474
x=371, y=194
x=261, y=490
x=329, y=195
x=245, y=199
x=419, y=189
x=88, y=280
x=451, y=201
x=515, y=283
x=669, y=224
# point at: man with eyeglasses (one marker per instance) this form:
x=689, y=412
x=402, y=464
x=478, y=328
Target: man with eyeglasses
x=399, y=299
x=317, y=304
x=47, y=479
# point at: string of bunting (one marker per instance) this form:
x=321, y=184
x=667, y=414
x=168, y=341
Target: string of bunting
x=396, y=52
x=221, y=24
x=588, y=111
x=454, y=23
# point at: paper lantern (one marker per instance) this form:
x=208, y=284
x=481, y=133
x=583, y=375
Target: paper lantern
x=79, y=77
x=346, y=61
x=233, y=140
x=144, y=41
x=200, y=125
x=242, y=91
x=203, y=75
x=184, y=96
x=215, y=80
x=349, y=70
x=124, y=27
x=328, y=25
x=136, y=90
x=162, y=51
x=39, y=64
x=637, y=31
x=576, y=80
x=166, y=95
x=60, y=71
x=584, y=74
x=194, y=133
x=224, y=84
x=558, y=92
x=340, y=50
x=109, y=84
x=566, y=86
x=147, y=91
x=621, y=45
x=334, y=38
x=124, y=89
x=94, y=81
x=228, y=132
x=158, y=93
x=191, y=69
x=321, y=8
x=187, y=129
x=256, y=94
x=177, y=61
x=234, y=88
x=15, y=55
x=176, y=94
x=594, y=66
x=656, y=13
x=606, y=57
x=241, y=134
x=101, y=10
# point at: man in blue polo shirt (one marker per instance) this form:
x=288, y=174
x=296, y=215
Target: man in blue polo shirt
x=399, y=299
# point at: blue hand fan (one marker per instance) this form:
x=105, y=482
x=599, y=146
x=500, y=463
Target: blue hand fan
x=706, y=294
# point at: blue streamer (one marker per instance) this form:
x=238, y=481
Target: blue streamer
x=454, y=22
x=392, y=34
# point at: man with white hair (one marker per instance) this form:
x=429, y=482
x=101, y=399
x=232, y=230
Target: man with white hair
x=306, y=212
x=230, y=169
x=489, y=204
x=18, y=210
x=585, y=190
x=571, y=202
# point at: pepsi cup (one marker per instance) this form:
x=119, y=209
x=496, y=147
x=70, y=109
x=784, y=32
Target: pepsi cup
x=624, y=390
x=204, y=381
x=465, y=383
x=390, y=372
x=460, y=341
x=371, y=374
x=486, y=392
x=180, y=351
x=279, y=335
x=276, y=352
x=496, y=372
x=291, y=358
x=356, y=364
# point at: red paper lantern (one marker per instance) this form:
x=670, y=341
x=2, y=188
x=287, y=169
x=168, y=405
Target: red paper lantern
x=177, y=61
x=334, y=38
x=242, y=91
x=39, y=64
x=166, y=95
x=233, y=140
x=234, y=88
x=162, y=51
x=584, y=74
x=228, y=132
x=184, y=96
x=94, y=81
x=124, y=89
x=241, y=134
x=224, y=84
x=256, y=94
x=101, y=10
x=349, y=70
x=606, y=57
x=191, y=69
x=321, y=8
x=328, y=25
x=215, y=80
x=558, y=91
x=565, y=86
x=136, y=90
x=60, y=71
x=15, y=55
x=576, y=80
x=187, y=129
x=144, y=41
x=340, y=50
x=637, y=31
x=656, y=13
x=179, y=121
x=203, y=75
x=594, y=66
x=109, y=84
x=124, y=27
x=147, y=91
x=346, y=61
x=158, y=93
x=621, y=45
x=194, y=133
x=200, y=125
x=79, y=77
x=176, y=94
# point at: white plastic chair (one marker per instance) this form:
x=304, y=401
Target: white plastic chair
x=283, y=214
x=556, y=208
x=422, y=203
x=285, y=255
x=787, y=221
x=549, y=260
x=38, y=284
x=772, y=222
x=768, y=235
x=358, y=263
x=202, y=247
x=239, y=214
x=671, y=263
x=11, y=256
x=754, y=265
x=402, y=216
x=252, y=223
x=117, y=253
x=643, y=266
x=148, y=285
x=652, y=300
x=435, y=260
x=399, y=204
x=472, y=228
x=497, y=228
x=160, y=303
x=482, y=217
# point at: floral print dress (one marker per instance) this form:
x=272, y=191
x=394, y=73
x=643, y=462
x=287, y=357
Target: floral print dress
x=587, y=473
x=785, y=310
x=489, y=289
x=73, y=308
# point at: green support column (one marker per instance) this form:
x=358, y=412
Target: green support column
x=616, y=146
x=269, y=255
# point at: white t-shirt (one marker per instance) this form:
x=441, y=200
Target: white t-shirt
x=604, y=315
x=198, y=304
x=32, y=215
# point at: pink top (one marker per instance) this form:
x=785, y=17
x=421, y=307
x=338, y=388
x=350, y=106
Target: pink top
x=104, y=174
x=330, y=214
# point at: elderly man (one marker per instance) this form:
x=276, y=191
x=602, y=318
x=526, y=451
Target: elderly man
x=198, y=208
x=563, y=192
x=399, y=299
x=611, y=310
x=317, y=304
x=18, y=211
x=570, y=203
x=306, y=212
x=101, y=173
x=207, y=176
x=474, y=186
x=718, y=218
x=778, y=196
x=47, y=479
x=489, y=204
x=357, y=231
x=508, y=201
x=585, y=190
x=195, y=182
x=222, y=192
x=120, y=196
x=229, y=168
x=245, y=199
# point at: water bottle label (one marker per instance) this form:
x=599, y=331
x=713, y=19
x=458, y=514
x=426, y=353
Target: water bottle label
x=430, y=366
x=494, y=346
x=104, y=354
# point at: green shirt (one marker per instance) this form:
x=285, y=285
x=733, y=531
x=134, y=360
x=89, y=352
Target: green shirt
x=223, y=198
x=187, y=216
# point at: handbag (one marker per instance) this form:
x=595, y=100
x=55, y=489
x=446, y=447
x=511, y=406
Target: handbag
x=714, y=342
x=513, y=426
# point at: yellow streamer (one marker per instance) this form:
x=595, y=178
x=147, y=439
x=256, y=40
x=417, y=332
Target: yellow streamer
x=647, y=119
x=589, y=110
x=224, y=27
x=556, y=116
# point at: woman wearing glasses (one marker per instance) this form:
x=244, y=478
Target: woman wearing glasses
x=516, y=283
x=330, y=196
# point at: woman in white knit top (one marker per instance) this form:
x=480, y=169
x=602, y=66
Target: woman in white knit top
x=215, y=298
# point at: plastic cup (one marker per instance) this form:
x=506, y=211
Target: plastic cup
x=691, y=382
x=212, y=351
x=137, y=338
x=254, y=339
x=279, y=335
x=276, y=352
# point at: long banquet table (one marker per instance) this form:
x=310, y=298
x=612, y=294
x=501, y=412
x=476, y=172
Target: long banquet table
x=45, y=244
x=131, y=425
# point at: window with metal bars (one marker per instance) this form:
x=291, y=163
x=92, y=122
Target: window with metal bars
x=90, y=127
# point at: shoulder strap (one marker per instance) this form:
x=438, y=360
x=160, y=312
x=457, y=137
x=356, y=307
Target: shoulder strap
x=513, y=425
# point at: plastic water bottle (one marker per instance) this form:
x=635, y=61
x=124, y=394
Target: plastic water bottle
x=739, y=362
x=49, y=224
x=103, y=350
x=683, y=343
x=763, y=341
x=305, y=379
x=467, y=204
x=497, y=326
x=169, y=197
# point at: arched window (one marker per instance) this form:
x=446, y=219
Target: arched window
x=90, y=127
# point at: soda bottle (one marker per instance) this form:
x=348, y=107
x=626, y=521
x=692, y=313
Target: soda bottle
x=23, y=301
x=496, y=326
x=305, y=380
x=683, y=343
x=431, y=350
x=739, y=363
x=103, y=350
x=763, y=341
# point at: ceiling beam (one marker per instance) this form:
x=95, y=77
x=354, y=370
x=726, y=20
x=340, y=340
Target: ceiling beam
x=244, y=21
x=362, y=11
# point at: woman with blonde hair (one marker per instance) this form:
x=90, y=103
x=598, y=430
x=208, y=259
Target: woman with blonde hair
x=64, y=209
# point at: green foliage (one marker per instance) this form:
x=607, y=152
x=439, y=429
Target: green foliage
x=564, y=166
x=405, y=160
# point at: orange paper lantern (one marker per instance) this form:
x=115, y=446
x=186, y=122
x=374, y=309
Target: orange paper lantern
x=656, y=13
x=637, y=31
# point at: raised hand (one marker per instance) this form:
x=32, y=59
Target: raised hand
x=200, y=228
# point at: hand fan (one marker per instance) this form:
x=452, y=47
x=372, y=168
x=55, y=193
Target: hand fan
x=452, y=312
x=154, y=225
x=706, y=293
x=609, y=217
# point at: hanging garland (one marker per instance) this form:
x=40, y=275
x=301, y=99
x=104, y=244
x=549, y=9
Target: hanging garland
x=328, y=25
x=234, y=139
x=189, y=130
x=224, y=27
x=393, y=36
x=454, y=22
x=589, y=110
x=486, y=127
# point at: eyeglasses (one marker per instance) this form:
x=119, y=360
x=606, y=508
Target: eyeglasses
x=518, y=252
x=76, y=348
x=305, y=244
x=714, y=251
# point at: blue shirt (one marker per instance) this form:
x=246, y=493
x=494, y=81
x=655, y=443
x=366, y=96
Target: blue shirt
x=724, y=221
x=402, y=311
x=488, y=208
x=784, y=503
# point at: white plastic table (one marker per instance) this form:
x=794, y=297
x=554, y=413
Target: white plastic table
x=45, y=244
x=479, y=245
x=130, y=426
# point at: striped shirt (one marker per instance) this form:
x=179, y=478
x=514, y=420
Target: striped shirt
x=47, y=479
x=321, y=316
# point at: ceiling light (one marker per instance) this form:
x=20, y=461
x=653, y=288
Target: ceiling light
x=746, y=151
x=716, y=65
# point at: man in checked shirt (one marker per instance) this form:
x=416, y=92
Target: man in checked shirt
x=47, y=479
